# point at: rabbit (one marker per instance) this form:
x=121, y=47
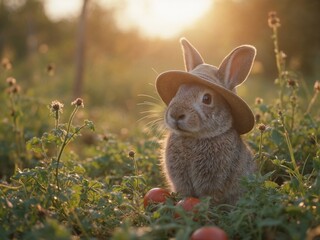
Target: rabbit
x=204, y=154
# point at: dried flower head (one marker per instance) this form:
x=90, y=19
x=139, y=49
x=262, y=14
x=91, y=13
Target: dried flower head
x=15, y=89
x=262, y=127
x=273, y=20
x=6, y=64
x=11, y=81
x=292, y=83
x=131, y=153
x=51, y=69
x=56, y=106
x=258, y=101
x=317, y=86
x=78, y=102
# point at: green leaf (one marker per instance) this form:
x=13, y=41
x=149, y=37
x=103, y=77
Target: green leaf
x=270, y=184
x=79, y=169
x=263, y=108
x=276, y=136
x=34, y=144
x=89, y=124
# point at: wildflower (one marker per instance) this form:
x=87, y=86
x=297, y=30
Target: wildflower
x=78, y=102
x=50, y=69
x=258, y=101
x=273, y=20
x=6, y=64
x=11, y=81
x=317, y=86
x=15, y=89
x=291, y=83
x=131, y=153
x=56, y=106
x=262, y=127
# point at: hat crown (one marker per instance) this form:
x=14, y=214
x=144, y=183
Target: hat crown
x=210, y=73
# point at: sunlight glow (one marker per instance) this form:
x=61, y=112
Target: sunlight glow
x=57, y=9
x=162, y=18
x=152, y=18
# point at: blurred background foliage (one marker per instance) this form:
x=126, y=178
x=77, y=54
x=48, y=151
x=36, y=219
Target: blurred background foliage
x=119, y=65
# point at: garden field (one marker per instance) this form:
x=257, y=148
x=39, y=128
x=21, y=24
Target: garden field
x=78, y=164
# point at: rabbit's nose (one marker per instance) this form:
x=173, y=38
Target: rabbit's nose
x=178, y=117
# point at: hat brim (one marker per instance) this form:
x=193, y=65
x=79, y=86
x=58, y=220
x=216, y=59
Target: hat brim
x=168, y=83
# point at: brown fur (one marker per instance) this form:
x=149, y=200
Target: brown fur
x=210, y=164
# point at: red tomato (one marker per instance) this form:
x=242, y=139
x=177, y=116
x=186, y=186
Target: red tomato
x=188, y=203
x=155, y=195
x=209, y=233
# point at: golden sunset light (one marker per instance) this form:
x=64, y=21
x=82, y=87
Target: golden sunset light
x=159, y=119
x=152, y=18
x=165, y=18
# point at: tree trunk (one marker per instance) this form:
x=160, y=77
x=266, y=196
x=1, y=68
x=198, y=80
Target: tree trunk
x=80, y=52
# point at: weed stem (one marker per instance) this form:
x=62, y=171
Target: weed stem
x=260, y=151
x=312, y=101
x=280, y=63
x=65, y=142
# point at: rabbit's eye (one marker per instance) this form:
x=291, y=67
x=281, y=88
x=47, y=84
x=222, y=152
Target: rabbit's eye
x=207, y=99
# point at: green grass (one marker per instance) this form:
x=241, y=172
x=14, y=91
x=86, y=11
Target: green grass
x=60, y=180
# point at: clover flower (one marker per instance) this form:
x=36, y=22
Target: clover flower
x=78, y=102
x=56, y=106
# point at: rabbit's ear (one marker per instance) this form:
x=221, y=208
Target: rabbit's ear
x=192, y=57
x=235, y=68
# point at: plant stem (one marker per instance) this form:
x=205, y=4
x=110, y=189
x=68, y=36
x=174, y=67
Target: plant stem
x=56, y=120
x=292, y=116
x=295, y=171
x=64, y=144
x=16, y=130
x=312, y=101
x=279, y=62
x=260, y=151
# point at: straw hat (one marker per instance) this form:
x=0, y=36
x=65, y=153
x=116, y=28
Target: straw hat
x=224, y=79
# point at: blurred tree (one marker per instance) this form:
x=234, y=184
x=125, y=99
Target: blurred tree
x=80, y=51
x=22, y=27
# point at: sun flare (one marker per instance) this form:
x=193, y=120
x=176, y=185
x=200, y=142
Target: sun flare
x=152, y=18
x=163, y=18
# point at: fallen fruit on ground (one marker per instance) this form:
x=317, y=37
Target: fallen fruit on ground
x=155, y=195
x=188, y=203
x=209, y=233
